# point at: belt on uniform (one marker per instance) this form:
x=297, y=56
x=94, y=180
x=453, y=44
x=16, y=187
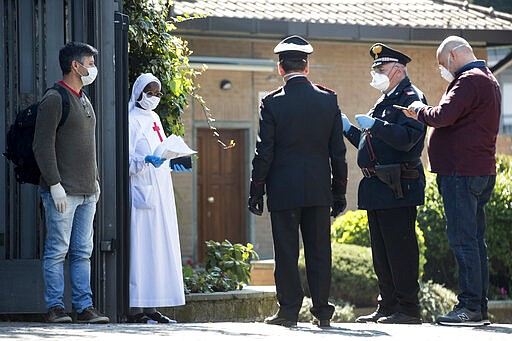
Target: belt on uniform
x=405, y=172
x=368, y=172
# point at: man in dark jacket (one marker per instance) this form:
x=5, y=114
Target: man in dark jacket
x=389, y=149
x=462, y=152
x=300, y=161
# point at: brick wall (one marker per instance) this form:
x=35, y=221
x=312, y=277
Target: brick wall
x=343, y=67
x=184, y=196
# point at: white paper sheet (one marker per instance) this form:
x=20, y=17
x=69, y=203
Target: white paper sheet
x=173, y=147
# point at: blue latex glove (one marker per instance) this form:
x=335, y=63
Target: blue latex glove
x=346, y=123
x=181, y=164
x=181, y=168
x=365, y=121
x=154, y=160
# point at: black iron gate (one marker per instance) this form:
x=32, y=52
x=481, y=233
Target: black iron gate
x=122, y=176
x=27, y=74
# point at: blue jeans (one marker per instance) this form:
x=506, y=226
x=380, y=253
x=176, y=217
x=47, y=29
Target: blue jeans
x=464, y=198
x=71, y=231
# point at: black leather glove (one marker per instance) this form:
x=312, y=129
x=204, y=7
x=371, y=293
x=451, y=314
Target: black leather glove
x=338, y=206
x=255, y=202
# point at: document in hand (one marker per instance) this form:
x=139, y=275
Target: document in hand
x=173, y=147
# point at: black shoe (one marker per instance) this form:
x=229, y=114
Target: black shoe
x=57, y=314
x=138, y=318
x=280, y=321
x=322, y=323
x=373, y=317
x=91, y=315
x=399, y=318
x=160, y=318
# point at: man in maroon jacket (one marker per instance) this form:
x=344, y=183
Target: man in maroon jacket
x=461, y=150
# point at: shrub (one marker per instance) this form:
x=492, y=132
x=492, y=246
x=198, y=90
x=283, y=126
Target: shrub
x=198, y=280
x=435, y=300
x=343, y=312
x=440, y=265
x=499, y=222
x=227, y=268
x=353, y=279
x=231, y=259
x=352, y=228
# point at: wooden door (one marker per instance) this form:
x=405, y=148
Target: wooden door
x=221, y=185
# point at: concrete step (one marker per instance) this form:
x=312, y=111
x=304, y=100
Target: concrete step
x=252, y=304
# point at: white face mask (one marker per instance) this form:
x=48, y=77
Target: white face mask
x=91, y=76
x=379, y=81
x=149, y=102
x=447, y=75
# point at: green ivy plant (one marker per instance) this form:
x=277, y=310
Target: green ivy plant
x=153, y=48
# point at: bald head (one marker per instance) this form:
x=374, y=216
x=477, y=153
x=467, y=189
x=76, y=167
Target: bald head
x=459, y=51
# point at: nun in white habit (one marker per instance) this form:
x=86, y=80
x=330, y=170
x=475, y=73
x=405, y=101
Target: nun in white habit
x=156, y=278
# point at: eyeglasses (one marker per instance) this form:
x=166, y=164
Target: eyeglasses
x=156, y=94
x=84, y=104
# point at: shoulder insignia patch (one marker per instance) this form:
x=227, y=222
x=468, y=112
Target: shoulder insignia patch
x=321, y=87
x=409, y=91
x=272, y=93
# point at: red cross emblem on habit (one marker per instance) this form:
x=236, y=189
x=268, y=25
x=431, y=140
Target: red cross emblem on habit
x=157, y=129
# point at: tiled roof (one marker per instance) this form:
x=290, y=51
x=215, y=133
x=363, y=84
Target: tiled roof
x=436, y=14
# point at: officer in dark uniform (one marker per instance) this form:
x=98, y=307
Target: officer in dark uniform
x=300, y=161
x=389, y=149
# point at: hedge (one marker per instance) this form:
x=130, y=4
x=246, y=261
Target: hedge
x=352, y=228
x=353, y=279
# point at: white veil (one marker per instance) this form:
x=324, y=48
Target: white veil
x=139, y=85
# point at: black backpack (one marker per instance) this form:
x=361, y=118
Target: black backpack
x=21, y=135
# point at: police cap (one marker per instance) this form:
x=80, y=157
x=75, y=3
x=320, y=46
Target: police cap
x=293, y=47
x=383, y=54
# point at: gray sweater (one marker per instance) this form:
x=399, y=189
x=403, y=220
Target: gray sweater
x=66, y=154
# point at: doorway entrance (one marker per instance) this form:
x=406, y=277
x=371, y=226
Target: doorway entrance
x=221, y=192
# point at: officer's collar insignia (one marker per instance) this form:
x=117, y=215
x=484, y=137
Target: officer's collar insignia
x=376, y=50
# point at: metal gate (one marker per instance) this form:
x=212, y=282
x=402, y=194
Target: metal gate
x=32, y=33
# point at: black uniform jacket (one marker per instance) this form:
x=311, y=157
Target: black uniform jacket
x=394, y=138
x=300, y=143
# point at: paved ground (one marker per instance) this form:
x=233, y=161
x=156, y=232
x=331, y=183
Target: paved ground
x=225, y=331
